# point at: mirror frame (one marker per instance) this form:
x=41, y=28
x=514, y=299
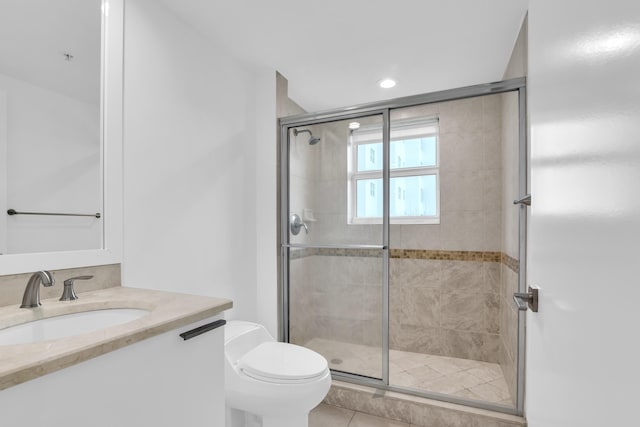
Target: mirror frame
x=112, y=150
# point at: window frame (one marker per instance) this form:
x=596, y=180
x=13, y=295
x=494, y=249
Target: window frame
x=353, y=176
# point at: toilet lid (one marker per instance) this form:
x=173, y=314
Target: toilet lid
x=281, y=361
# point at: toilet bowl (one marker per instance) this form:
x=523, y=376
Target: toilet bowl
x=269, y=383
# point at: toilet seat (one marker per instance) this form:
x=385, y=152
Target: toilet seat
x=278, y=362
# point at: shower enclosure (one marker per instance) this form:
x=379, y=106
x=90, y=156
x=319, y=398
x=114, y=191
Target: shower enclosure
x=401, y=244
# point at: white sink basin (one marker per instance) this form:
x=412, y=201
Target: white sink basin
x=53, y=328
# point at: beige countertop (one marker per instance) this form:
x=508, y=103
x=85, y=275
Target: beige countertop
x=167, y=311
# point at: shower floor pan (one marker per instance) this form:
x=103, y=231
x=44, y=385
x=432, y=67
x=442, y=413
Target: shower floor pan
x=470, y=379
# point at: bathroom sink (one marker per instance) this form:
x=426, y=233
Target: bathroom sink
x=67, y=325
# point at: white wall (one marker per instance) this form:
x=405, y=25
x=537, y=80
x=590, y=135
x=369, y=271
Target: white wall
x=582, y=349
x=266, y=200
x=3, y=172
x=52, y=165
x=199, y=210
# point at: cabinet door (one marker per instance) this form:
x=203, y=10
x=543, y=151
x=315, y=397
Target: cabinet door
x=161, y=381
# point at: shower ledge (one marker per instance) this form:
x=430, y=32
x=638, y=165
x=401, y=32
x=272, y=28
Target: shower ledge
x=415, y=410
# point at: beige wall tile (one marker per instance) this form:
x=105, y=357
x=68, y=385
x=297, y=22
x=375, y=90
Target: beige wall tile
x=461, y=151
x=417, y=339
x=467, y=345
x=462, y=230
x=331, y=197
x=463, y=310
x=491, y=112
x=419, y=237
x=415, y=273
x=492, y=230
x=459, y=275
x=491, y=313
x=510, y=168
x=464, y=115
x=493, y=149
x=463, y=190
x=492, y=192
x=492, y=276
x=416, y=306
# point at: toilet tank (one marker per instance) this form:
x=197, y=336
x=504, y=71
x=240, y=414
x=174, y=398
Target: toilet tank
x=241, y=336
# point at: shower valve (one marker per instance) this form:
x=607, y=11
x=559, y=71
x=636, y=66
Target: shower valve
x=297, y=224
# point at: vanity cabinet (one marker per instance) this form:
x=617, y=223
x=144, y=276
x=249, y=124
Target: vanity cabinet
x=163, y=381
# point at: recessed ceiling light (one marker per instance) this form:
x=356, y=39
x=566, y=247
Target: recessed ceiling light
x=387, y=83
x=354, y=125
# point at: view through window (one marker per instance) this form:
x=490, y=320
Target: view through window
x=413, y=166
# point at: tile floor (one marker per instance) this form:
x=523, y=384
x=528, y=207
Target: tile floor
x=332, y=416
x=470, y=379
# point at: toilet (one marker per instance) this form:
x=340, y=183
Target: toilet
x=269, y=383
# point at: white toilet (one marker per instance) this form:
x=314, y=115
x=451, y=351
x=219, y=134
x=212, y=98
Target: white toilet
x=269, y=383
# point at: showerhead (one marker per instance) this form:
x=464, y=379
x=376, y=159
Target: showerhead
x=313, y=140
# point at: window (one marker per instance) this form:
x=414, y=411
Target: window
x=413, y=168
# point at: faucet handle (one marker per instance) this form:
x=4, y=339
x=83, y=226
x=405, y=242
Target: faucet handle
x=69, y=294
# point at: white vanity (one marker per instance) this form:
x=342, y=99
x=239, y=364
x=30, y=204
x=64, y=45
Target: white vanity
x=137, y=373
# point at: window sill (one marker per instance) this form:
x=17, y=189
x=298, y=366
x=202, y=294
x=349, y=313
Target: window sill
x=396, y=221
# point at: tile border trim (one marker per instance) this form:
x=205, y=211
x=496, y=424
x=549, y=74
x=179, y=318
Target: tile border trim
x=426, y=254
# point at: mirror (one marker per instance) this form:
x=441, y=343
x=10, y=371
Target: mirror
x=51, y=145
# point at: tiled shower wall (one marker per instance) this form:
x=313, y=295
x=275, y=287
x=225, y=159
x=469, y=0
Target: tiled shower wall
x=437, y=306
x=336, y=297
x=445, y=291
x=444, y=307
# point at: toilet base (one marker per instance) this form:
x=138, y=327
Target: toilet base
x=289, y=420
x=238, y=418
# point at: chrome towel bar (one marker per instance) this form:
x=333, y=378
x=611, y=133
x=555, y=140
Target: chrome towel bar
x=14, y=212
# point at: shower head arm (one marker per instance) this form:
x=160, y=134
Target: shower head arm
x=296, y=131
x=313, y=140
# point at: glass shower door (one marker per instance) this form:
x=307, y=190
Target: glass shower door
x=334, y=254
x=401, y=244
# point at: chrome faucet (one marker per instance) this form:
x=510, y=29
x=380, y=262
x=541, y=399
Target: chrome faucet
x=31, y=297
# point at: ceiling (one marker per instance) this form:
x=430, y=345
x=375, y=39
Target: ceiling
x=35, y=35
x=333, y=52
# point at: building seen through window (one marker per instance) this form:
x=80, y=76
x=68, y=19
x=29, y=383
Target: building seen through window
x=413, y=165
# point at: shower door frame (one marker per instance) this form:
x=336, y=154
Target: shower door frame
x=384, y=108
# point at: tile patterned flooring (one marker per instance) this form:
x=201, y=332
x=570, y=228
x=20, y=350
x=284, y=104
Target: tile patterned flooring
x=331, y=416
x=465, y=378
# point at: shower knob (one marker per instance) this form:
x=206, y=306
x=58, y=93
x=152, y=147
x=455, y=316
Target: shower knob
x=297, y=224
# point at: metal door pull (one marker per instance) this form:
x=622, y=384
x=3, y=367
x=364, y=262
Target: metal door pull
x=526, y=200
x=527, y=300
x=202, y=329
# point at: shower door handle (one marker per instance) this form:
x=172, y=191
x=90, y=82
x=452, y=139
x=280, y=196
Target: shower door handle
x=527, y=300
x=526, y=200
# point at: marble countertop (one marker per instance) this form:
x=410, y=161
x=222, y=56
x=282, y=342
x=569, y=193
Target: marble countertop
x=167, y=311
